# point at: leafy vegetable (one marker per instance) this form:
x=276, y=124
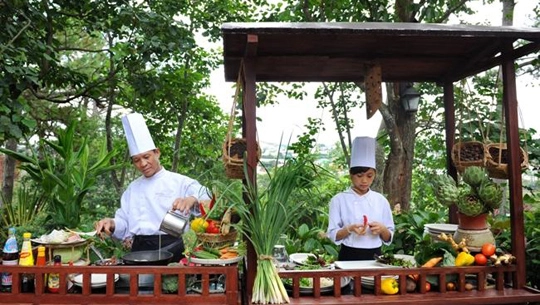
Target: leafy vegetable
x=390, y=259
x=265, y=218
x=432, y=250
x=169, y=282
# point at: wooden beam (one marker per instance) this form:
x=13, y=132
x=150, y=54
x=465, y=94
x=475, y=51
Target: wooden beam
x=514, y=164
x=532, y=47
x=477, y=55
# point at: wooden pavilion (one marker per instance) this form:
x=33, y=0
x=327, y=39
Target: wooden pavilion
x=335, y=52
x=405, y=52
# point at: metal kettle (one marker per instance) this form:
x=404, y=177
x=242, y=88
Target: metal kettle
x=174, y=223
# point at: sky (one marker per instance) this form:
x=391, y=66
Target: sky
x=293, y=114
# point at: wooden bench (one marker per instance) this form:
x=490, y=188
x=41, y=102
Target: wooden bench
x=500, y=292
x=134, y=295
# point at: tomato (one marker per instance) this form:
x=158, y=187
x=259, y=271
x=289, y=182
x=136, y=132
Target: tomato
x=212, y=228
x=480, y=259
x=488, y=249
x=428, y=286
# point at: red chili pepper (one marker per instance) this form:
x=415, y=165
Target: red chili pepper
x=365, y=220
x=201, y=207
x=213, y=201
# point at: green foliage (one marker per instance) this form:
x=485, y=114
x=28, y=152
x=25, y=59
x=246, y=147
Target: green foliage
x=272, y=207
x=310, y=240
x=409, y=230
x=64, y=173
x=29, y=204
x=502, y=230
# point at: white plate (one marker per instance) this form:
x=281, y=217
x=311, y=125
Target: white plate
x=351, y=265
x=86, y=234
x=441, y=227
x=205, y=261
x=73, y=242
x=300, y=258
x=97, y=280
x=369, y=281
x=406, y=257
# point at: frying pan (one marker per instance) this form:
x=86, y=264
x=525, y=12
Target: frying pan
x=151, y=257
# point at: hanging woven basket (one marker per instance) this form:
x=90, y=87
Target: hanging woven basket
x=497, y=160
x=466, y=154
x=233, y=157
x=234, y=149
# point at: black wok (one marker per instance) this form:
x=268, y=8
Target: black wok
x=152, y=257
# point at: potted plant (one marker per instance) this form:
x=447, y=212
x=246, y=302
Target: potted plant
x=475, y=196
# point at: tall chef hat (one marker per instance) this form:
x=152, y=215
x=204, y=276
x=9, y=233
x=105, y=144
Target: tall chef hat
x=363, y=152
x=137, y=134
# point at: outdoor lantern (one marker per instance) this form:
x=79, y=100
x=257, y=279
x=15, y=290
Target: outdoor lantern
x=410, y=99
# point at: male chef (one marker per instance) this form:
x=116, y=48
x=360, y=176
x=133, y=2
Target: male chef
x=148, y=198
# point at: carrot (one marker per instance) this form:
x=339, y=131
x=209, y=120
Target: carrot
x=432, y=262
x=429, y=264
x=229, y=255
x=224, y=250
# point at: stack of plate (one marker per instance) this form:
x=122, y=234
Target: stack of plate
x=435, y=229
x=367, y=281
x=97, y=280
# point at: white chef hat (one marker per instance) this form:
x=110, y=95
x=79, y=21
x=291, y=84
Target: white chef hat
x=363, y=152
x=137, y=134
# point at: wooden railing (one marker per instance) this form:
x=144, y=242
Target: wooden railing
x=133, y=294
x=501, y=291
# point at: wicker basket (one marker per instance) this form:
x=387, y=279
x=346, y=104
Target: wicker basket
x=217, y=240
x=233, y=157
x=466, y=154
x=497, y=162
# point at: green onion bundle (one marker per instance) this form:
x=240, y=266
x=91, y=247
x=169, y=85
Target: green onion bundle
x=266, y=217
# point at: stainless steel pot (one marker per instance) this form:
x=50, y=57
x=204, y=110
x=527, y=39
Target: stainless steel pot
x=174, y=223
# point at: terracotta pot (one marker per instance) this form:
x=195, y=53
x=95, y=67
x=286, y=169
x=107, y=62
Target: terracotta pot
x=478, y=222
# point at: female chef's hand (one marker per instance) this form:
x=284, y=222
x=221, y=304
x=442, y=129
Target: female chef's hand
x=184, y=205
x=378, y=228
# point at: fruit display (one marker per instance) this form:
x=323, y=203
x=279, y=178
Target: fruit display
x=477, y=194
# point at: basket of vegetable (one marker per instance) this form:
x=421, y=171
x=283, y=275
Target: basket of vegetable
x=214, y=237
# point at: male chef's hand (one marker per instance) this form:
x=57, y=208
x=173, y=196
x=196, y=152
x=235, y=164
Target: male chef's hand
x=184, y=205
x=105, y=225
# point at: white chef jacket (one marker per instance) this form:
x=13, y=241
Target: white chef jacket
x=349, y=207
x=146, y=201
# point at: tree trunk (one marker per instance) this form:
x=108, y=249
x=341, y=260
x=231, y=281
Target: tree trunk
x=8, y=180
x=400, y=126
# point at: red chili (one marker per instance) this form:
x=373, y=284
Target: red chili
x=201, y=207
x=213, y=201
x=365, y=220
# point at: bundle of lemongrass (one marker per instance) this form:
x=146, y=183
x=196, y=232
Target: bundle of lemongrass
x=267, y=215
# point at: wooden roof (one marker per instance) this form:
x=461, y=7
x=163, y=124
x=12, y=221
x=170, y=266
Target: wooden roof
x=412, y=52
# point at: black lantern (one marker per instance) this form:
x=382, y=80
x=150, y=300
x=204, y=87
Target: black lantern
x=410, y=98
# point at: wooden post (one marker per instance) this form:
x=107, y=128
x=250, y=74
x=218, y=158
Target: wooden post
x=249, y=131
x=450, y=126
x=514, y=164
